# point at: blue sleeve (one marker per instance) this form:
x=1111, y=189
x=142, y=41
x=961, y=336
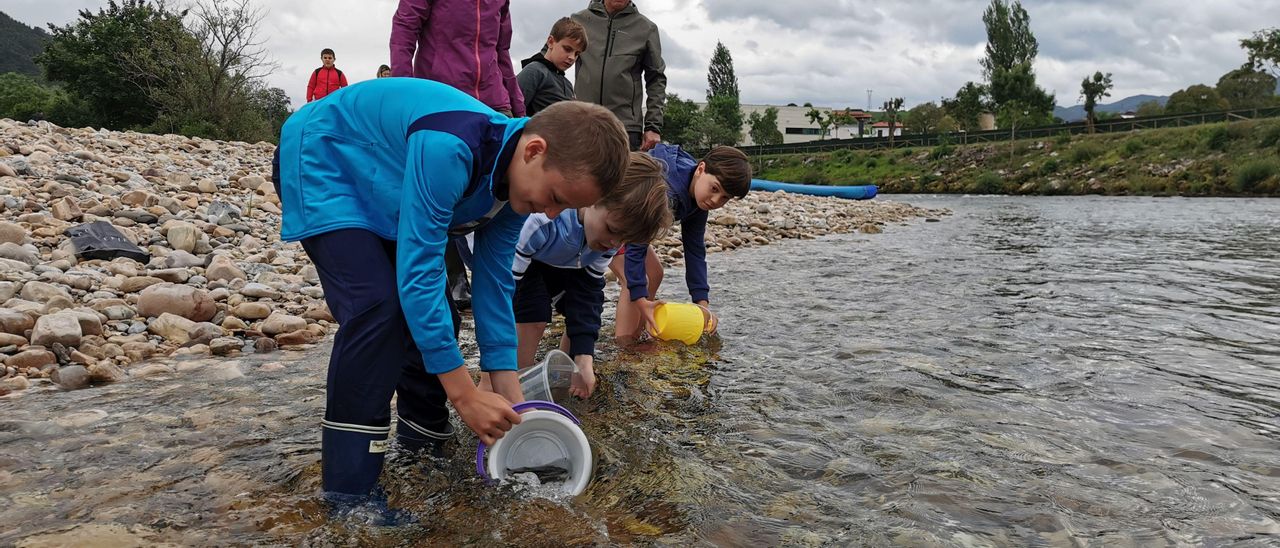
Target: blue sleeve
x=692, y=232
x=436, y=175
x=491, y=288
x=637, y=277
x=598, y=267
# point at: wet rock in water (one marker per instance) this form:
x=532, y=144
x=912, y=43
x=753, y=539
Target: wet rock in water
x=869, y=228
x=105, y=372
x=14, y=384
x=279, y=322
x=32, y=358
x=151, y=370
x=301, y=336
x=224, y=346
x=71, y=377
x=188, y=302
x=81, y=419
x=224, y=371
x=204, y=332
x=265, y=345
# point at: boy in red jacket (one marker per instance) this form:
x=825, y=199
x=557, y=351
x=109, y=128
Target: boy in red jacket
x=326, y=79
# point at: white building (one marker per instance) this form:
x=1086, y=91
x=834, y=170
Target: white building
x=795, y=126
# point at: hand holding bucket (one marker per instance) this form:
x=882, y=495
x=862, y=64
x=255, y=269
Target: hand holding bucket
x=548, y=436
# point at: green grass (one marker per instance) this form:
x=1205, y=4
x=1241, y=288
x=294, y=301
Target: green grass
x=1209, y=160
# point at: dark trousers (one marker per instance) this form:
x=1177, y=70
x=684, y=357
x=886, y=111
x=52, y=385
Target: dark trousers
x=373, y=357
x=573, y=292
x=635, y=139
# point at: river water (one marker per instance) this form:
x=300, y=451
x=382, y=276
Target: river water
x=1028, y=371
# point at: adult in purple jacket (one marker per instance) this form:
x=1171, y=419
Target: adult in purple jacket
x=461, y=43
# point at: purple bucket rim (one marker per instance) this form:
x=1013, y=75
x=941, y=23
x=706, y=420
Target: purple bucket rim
x=530, y=405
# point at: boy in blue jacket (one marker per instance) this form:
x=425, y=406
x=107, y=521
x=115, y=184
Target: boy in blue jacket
x=693, y=188
x=374, y=181
x=560, y=262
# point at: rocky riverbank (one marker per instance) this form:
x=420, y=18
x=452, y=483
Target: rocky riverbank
x=210, y=275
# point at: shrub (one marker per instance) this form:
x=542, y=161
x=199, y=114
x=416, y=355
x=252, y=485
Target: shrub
x=1063, y=138
x=1217, y=138
x=815, y=176
x=871, y=162
x=1133, y=146
x=1049, y=167
x=1083, y=152
x=1271, y=136
x=988, y=183
x=1251, y=175
x=941, y=151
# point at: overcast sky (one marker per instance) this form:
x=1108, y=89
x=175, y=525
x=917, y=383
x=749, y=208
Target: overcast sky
x=828, y=52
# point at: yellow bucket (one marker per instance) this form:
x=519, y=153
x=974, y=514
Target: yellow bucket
x=679, y=322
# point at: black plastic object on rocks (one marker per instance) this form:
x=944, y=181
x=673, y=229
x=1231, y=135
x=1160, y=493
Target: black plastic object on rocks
x=101, y=240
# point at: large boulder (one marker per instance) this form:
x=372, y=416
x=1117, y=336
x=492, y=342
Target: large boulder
x=15, y=322
x=42, y=292
x=173, y=328
x=223, y=268
x=279, y=322
x=183, y=236
x=189, y=302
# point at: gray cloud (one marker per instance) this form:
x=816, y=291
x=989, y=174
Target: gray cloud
x=827, y=52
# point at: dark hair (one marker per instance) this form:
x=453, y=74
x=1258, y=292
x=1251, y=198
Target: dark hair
x=327, y=51
x=640, y=201
x=382, y=68
x=731, y=167
x=583, y=140
x=568, y=28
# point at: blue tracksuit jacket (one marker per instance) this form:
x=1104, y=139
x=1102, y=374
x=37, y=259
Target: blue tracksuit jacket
x=560, y=242
x=413, y=161
x=679, y=167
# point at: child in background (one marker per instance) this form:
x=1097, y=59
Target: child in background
x=693, y=188
x=560, y=262
x=374, y=180
x=542, y=79
x=326, y=79
x=384, y=71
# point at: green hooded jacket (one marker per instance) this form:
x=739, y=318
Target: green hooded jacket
x=622, y=50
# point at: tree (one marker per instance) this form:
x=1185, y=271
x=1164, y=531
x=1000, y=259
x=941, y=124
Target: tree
x=815, y=116
x=1010, y=41
x=764, y=127
x=1197, y=98
x=970, y=102
x=1150, y=108
x=88, y=57
x=947, y=124
x=22, y=98
x=1247, y=88
x=1263, y=49
x=1018, y=85
x=721, y=80
x=682, y=122
x=212, y=77
x=925, y=118
x=1092, y=89
x=723, y=115
x=19, y=45
x=891, y=108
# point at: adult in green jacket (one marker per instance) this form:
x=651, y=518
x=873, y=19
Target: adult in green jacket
x=621, y=65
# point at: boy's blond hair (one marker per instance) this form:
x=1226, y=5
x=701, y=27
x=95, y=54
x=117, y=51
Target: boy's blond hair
x=583, y=140
x=643, y=213
x=573, y=30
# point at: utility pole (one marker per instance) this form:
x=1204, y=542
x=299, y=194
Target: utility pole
x=868, y=100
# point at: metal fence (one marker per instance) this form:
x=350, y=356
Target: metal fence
x=996, y=135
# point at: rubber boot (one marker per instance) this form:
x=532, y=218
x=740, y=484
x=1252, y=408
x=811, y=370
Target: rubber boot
x=413, y=437
x=351, y=461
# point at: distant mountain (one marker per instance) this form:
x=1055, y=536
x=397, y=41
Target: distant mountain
x=1076, y=113
x=19, y=45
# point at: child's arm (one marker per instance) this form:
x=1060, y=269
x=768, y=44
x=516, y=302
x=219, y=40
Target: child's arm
x=637, y=277
x=504, y=63
x=342, y=80
x=311, y=86
x=406, y=26
x=693, y=231
x=491, y=289
x=533, y=235
x=437, y=170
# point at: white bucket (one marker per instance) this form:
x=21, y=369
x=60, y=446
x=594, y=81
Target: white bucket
x=547, y=442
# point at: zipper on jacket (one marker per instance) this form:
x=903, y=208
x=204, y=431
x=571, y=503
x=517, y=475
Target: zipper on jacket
x=477, y=49
x=608, y=51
